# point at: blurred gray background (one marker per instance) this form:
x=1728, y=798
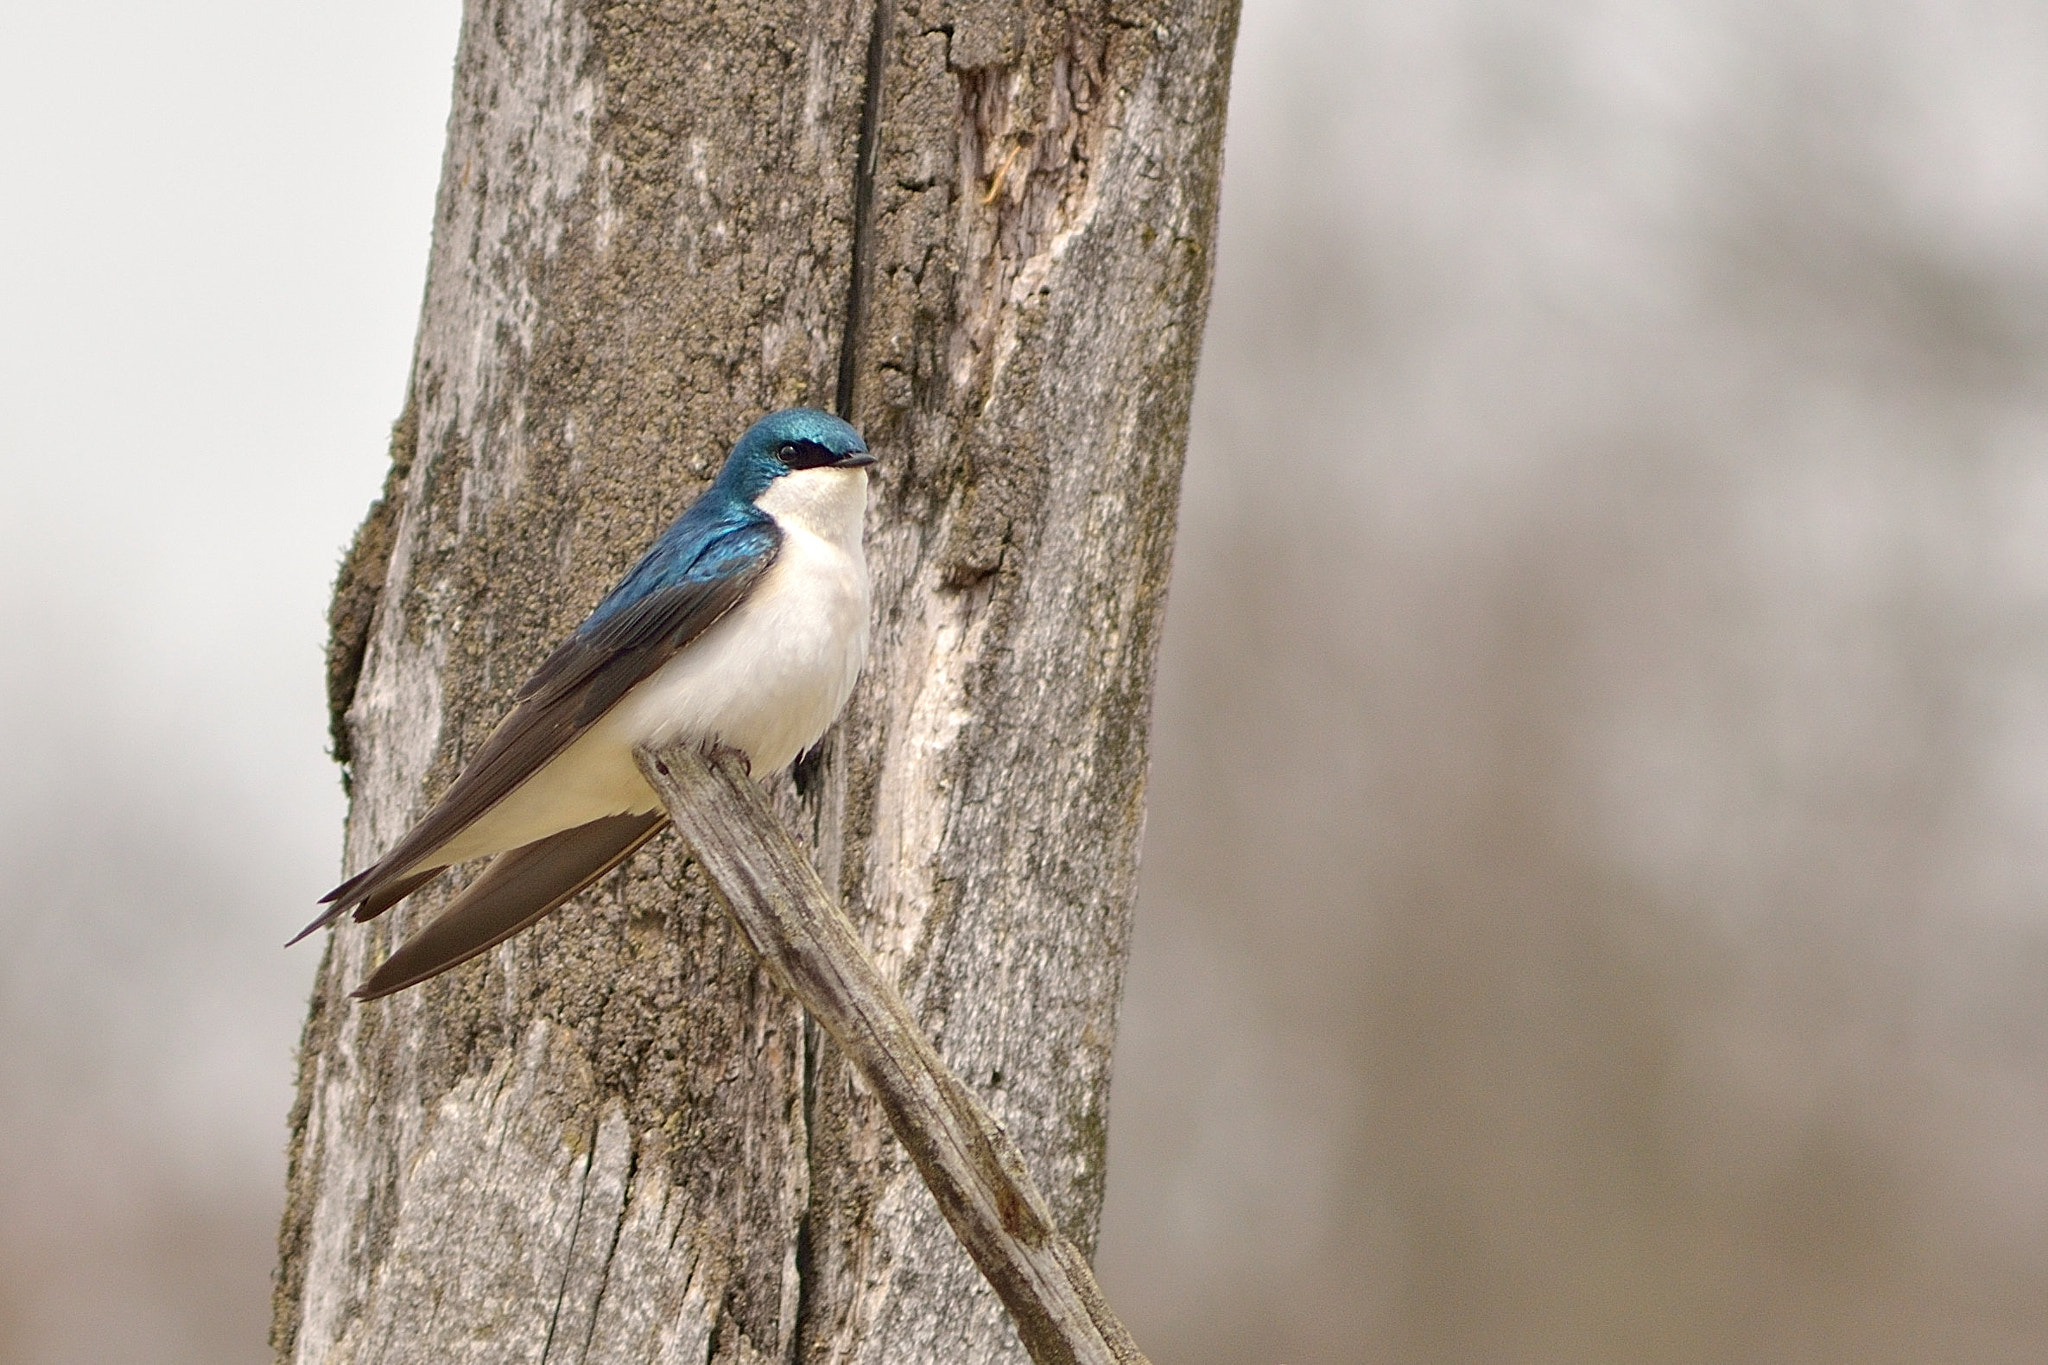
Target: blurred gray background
x=1596, y=891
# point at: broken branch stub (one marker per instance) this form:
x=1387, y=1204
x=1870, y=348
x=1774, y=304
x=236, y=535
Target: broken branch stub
x=968, y=1162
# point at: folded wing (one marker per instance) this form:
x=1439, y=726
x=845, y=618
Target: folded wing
x=664, y=603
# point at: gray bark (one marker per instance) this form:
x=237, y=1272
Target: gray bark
x=613, y=1138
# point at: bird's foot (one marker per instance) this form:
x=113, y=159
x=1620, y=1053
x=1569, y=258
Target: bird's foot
x=713, y=751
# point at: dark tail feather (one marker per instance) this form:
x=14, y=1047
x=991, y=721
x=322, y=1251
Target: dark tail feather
x=320, y=921
x=382, y=899
x=372, y=905
x=513, y=892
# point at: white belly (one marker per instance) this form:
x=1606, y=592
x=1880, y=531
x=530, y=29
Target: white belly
x=768, y=679
x=772, y=676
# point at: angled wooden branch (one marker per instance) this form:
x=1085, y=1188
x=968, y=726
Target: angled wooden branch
x=972, y=1168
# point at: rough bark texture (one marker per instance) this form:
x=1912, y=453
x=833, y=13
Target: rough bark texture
x=614, y=1138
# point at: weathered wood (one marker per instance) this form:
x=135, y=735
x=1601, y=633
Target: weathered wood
x=610, y=1139
x=973, y=1170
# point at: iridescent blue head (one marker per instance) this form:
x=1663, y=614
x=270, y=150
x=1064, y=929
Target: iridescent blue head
x=786, y=441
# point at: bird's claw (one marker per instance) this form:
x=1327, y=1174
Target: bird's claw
x=712, y=751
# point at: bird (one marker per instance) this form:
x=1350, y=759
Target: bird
x=745, y=626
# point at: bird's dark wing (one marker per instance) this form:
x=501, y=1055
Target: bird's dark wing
x=517, y=888
x=631, y=634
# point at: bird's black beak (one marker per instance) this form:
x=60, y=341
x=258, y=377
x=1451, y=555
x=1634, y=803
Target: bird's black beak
x=854, y=459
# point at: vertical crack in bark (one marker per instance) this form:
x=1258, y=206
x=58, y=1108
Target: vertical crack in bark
x=569, y=1257
x=808, y=1038
x=604, y=1271
x=865, y=155
x=867, y=152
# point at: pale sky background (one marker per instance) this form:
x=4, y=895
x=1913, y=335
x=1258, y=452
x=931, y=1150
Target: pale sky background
x=210, y=269
x=1596, y=896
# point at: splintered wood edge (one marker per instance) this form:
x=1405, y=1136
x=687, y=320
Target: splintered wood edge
x=968, y=1162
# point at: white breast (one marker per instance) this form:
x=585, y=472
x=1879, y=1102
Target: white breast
x=768, y=679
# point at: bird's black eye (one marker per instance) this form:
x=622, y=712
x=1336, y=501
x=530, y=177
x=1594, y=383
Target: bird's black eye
x=805, y=454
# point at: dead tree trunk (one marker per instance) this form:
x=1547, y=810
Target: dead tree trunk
x=982, y=230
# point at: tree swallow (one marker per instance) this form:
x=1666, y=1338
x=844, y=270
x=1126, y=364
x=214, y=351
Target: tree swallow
x=744, y=625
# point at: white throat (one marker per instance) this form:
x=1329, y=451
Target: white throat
x=831, y=504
